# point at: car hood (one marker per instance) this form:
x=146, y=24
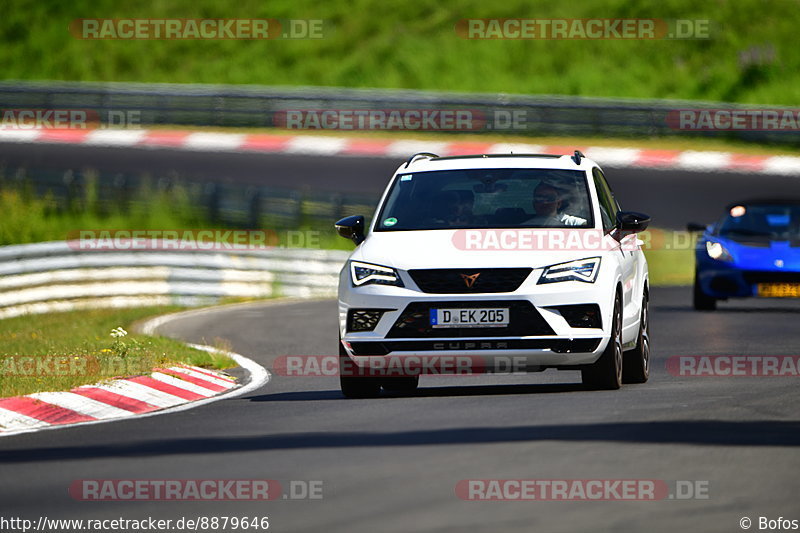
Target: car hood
x=447, y=249
x=774, y=255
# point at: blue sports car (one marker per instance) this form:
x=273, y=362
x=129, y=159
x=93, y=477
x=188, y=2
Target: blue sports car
x=753, y=250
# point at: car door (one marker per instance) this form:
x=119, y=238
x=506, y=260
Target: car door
x=629, y=259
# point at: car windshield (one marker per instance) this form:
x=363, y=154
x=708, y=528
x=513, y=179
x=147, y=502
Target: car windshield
x=762, y=222
x=487, y=198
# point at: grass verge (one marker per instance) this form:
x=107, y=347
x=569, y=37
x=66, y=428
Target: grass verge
x=750, y=54
x=670, y=256
x=32, y=216
x=670, y=267
x=60, y=351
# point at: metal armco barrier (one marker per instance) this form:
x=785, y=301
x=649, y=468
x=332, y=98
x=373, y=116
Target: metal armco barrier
x=264, y=106
x=54, y=276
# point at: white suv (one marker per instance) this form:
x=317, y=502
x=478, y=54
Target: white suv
x=520, y=262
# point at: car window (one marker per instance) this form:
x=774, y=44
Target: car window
x=771, y=222
x=487, y=198
x=607, y=203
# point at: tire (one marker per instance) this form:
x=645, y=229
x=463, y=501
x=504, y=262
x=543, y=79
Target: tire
x=636, y=362
x=355, y=386
x=401, y=384
x=606, y=373
x=702, y=302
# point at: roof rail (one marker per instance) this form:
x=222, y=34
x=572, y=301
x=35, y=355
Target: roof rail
x=419, y=154
x=577, y=157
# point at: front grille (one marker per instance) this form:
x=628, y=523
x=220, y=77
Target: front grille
x=756, y=276
x=723, y=284
x=469, y=281
x=524, y=320
x=468, y=345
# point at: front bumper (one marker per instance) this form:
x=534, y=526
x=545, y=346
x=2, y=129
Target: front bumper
x=723, y=280
x=540, y=337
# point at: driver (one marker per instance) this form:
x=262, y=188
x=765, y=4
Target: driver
x=547, y=202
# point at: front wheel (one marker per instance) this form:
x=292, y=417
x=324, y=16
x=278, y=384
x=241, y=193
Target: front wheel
x=606, y=372
x=352, y=384
x=702, y=301
x=636, y=363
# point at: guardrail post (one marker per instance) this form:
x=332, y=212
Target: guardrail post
x=297, y=203
x=213, y=200
x=119, y=197
x=254, y=211
x=75, y=191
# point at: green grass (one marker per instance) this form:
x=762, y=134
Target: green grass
x=31, y=218
x=670, y=267
x=76, y=348
x=751, y=57
x=670, y=256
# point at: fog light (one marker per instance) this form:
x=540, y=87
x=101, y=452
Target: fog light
x=581, y=315
x=363, y=319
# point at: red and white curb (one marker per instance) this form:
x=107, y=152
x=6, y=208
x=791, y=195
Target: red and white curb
x=700, y=161
x=164, y=391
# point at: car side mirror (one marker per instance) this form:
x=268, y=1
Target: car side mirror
x=352, y=228
x=694, y=226
x=632, y=222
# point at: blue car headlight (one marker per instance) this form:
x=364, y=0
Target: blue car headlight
x=585, y=270
x=366, y=273
x=715, y=250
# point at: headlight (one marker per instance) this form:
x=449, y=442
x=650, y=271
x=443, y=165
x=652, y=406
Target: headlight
x=716, y=251
x=582, y=270
x=366, y=273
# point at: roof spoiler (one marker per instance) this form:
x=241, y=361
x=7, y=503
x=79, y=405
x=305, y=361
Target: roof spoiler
x=419, y=154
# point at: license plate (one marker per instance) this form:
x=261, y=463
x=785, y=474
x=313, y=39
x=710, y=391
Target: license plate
x=779, y=290
x=470, y=318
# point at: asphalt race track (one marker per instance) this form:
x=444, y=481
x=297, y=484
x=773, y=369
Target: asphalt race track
x=392, y=464
x=671, y=197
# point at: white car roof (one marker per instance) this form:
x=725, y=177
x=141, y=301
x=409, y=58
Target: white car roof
x=426, y=164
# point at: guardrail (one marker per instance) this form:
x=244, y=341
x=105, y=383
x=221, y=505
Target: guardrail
x=258, y=106
x=54, y=276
